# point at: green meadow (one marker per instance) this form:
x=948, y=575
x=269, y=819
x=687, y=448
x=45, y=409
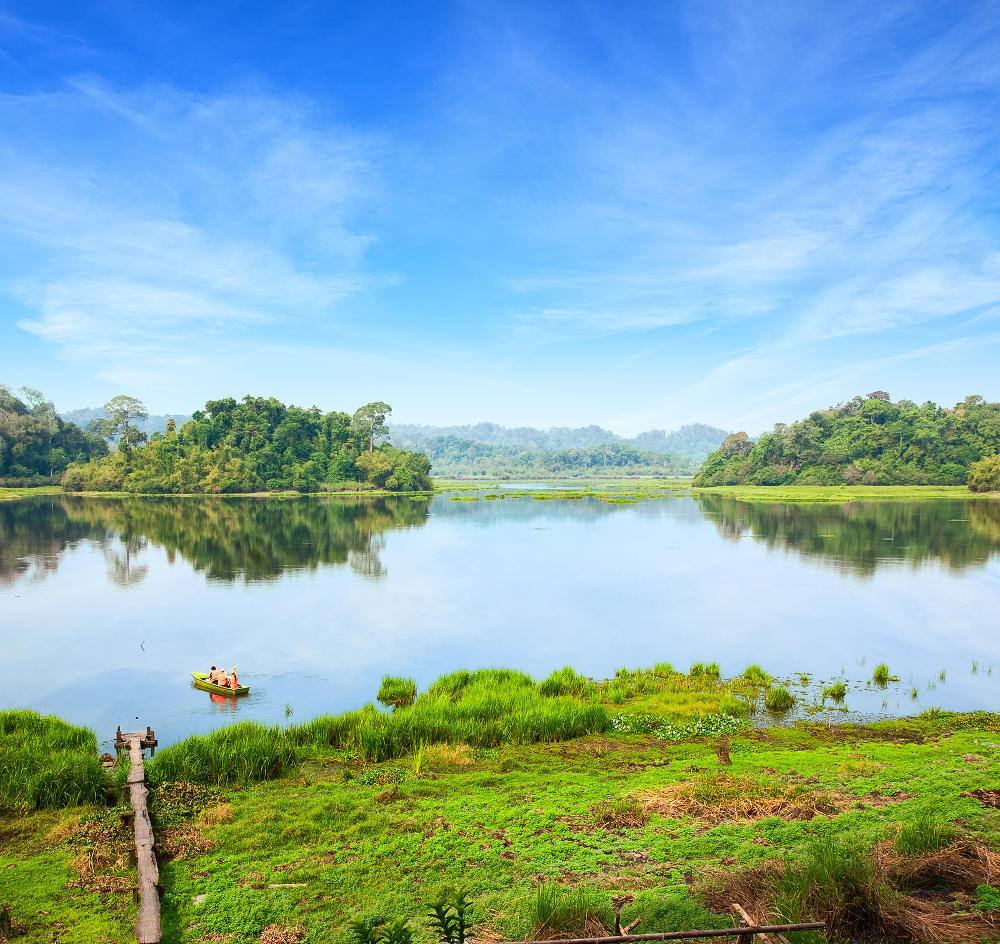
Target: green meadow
x=664, y=794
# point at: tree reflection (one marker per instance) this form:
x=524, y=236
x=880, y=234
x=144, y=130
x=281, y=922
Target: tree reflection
x=861, y=537
x=227, y=539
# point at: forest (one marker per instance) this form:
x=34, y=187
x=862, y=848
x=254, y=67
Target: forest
x=36, y=445
x=461, y=458
x=869, y=440
x=251, y=445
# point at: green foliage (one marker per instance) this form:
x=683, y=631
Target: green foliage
x=395, y=932
x=987, y=898
x=35, y=444
x=257, y=445
x=47, y=763
x=451, y=916
x=984, y=476
x=867, y=441
x=779, y=699
x=711, y=670
x=923, y=834
x=364, y=930
x=397, y=692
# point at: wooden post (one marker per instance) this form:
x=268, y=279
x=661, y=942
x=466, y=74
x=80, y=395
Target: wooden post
x=147, y=923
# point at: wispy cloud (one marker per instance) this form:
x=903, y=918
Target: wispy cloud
x=193, y=217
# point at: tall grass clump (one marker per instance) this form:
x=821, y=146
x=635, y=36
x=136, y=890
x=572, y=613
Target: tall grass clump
x=709, y=671
x=754, y=675
x=488, y=708
x=566, y=681
x=923, y=835
x=779, y=699
x=836, y=882
x=881, y=676
x=837, y=691
x=397, y=692
x=47, y=763
x=240, y=754
x=555, y=912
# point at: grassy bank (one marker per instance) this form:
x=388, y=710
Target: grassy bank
x=862, y=826
x=840, y=493
x=10, y=494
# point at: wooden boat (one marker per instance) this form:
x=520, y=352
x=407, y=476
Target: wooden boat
x=201, y=681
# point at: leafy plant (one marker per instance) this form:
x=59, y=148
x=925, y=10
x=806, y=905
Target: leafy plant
x=987, y=898
x=450, y=916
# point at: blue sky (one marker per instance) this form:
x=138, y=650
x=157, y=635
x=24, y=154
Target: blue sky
x=637, y=215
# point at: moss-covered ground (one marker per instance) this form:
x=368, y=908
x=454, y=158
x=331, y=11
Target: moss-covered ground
x=297, y=858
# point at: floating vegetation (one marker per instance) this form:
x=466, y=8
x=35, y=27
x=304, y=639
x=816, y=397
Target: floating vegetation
x=465, y=498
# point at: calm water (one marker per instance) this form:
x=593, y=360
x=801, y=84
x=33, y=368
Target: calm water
x=106, y=606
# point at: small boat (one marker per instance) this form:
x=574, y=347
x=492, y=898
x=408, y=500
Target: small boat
x=201, y=681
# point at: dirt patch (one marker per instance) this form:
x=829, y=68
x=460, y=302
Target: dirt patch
x=722, y=798
x=989, y=798
x=282, y=934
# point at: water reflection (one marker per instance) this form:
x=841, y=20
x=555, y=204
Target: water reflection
x=861, y=537
x=227, y=539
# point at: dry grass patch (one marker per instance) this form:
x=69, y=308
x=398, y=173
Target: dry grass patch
x=213, y=815
x=719, y=798
x=620, y=814
x=282, y=934
x=450, y=755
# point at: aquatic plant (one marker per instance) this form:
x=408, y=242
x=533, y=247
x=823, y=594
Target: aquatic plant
x=837, y=691
x=881, y=674
x=779, y=699
x=700, y=669
x=756, y=676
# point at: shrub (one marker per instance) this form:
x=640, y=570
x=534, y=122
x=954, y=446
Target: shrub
x=984, y=476
x=779, y=699
x=397, y=692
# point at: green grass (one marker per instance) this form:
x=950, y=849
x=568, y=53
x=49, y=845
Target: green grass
x=837, y=493
x=881, y=676
x=755, y=676
x=45, y=762
x=923, y=834
x=11, y=494
x=397, y=692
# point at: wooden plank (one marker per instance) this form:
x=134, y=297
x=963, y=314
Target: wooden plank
x=748, y=920
x=684, y=935
x=147, y=924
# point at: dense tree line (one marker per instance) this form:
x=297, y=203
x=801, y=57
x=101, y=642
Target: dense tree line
x=251, y=445
x=452, y=456
x=35, y=444
x=869, y=440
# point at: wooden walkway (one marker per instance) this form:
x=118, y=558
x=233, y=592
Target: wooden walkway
x=147, y=924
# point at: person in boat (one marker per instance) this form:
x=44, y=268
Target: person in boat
x=213, y=676
x=234, y=682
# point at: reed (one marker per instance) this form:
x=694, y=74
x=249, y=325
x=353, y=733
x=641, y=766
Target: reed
x=754, y=675
x=881, y=676
x=47, y=763
x=837, y=691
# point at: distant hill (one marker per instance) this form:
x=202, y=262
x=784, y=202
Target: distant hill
x=868, y=440
x=693, y=442
x=154, y=423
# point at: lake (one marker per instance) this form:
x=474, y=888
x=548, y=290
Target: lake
x=107, y=605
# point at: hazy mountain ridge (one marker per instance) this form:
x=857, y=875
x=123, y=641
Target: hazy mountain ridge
x=693, y=441
x=154, y=423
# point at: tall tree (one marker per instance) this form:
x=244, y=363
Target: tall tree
x=370, y=419
x=122, y=411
